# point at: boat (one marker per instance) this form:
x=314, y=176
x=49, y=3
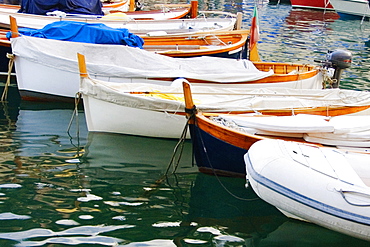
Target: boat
x=224, y=22
x=325, y=186
x=107, y=5
x=159, y=111
x=116, y=19
x=222, y=44
x=315, y=4
x=209, y=21
x=220, y=140
x=129, y=106
x=354, y=8
x=31, y=54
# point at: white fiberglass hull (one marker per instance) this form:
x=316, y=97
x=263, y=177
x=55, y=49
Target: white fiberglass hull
x=319, y=185
x=352, y=7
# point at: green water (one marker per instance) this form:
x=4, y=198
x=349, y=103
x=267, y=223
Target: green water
x=63, y=186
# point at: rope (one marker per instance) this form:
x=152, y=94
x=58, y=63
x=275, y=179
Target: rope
x=7, y=84
x=179, y=145
x=327, y=80
x=215, y=173
x=75, y=114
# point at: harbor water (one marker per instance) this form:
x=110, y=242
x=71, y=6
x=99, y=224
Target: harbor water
x=63, y=186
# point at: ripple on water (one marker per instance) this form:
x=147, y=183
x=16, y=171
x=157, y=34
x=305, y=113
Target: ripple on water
x=11, y=216
x=10, y=186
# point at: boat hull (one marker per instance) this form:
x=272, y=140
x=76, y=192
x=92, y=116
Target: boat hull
x=217, y=150
x=318, y=187
x=312, y=4
x=359, y=8
x=101, y=116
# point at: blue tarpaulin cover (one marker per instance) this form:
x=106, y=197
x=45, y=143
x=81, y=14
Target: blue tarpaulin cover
x=41, y=7
x=96, y=33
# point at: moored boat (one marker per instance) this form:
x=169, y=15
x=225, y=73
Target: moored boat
x=221, y=140
x=312, y=4
x=325, y=186
x=356, y=8
x=54, y=57
x=158, y=111
x=84, y=14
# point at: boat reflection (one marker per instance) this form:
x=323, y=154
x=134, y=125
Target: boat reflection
x=308, y=20
x=134, y=154
x=235, y=210
x=295, y=233
x=49, y=129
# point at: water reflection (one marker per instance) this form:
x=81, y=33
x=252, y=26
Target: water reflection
x=110, y=190
x=305, y=20
x=236, y=211
x=117, y=154
x=298, y=233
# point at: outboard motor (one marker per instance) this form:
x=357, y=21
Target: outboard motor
x=337, y=60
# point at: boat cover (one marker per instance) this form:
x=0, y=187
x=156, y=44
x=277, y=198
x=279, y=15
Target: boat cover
x=41, y=7
x=96, y=33
x=129, y=62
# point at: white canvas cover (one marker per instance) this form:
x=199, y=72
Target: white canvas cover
x=216, y=99
x=123, y=61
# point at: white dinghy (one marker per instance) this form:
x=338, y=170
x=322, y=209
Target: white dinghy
x=325, y=186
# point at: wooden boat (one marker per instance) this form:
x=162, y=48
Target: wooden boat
x=315, y=4
x=221, y=140
x=321, y=185
x=211, y=43
x=116, y=20
x=137, y=65
x=220, y=44
x=207, y=21
x=106, y=5
x=158, y=111
x=357, y=8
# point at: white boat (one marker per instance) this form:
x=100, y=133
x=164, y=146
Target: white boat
x=325, y=186
x=352, y=7
x=159, y=111
x=162, y=12
x=48, y=68
x=206, y=21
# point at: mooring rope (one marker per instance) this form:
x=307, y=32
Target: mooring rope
x=7, y=84
x=75, y=114
x=215, y=173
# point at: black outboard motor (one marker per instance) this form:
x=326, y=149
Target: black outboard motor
x=338, y=60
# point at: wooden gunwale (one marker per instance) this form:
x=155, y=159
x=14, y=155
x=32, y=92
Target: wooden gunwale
x=328, y=111
x=9, y=6
x=234, y=137
x=224, y=42
x=184, y=12
x=305, y=72
x=114, y=4
x=3, y=40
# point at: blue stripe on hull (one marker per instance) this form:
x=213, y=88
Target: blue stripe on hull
x=216, y=155
x=331, y=210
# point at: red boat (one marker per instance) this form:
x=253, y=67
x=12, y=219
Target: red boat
x=312, y=4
